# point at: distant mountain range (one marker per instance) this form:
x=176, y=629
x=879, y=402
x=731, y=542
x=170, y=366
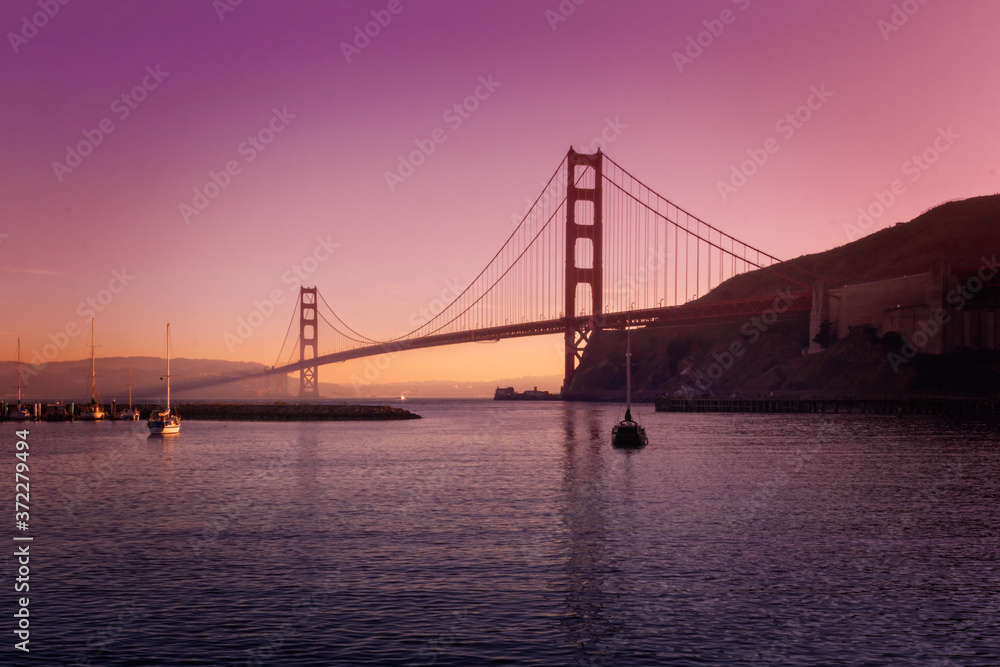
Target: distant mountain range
x=439, y=388
x=69, y=381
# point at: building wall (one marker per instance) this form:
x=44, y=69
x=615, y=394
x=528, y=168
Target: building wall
x=974, y=327
x=897, y=304
x=917, y=307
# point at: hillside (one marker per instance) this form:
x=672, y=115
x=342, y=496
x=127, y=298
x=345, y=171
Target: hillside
x=961, y=231
x=694, y=359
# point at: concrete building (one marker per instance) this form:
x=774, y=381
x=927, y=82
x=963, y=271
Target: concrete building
x=942, y=310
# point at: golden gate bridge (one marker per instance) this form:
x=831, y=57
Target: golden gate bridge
x=597, y=249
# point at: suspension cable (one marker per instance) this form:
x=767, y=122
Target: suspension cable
x=287, y=331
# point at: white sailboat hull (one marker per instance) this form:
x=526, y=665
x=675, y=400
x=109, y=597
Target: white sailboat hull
x=164, y=425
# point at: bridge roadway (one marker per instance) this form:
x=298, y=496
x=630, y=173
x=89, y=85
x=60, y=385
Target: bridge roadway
x=691, y=312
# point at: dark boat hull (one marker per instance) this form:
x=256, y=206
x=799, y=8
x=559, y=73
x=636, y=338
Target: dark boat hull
x=628, y=434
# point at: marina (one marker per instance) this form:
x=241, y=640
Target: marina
x=221, y=412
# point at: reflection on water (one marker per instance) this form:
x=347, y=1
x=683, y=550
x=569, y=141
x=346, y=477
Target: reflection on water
x=515, y=533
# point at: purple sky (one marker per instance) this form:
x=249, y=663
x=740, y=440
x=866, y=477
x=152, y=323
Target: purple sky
x=681, y=126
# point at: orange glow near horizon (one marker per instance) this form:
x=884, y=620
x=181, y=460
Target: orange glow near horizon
x=241, y=158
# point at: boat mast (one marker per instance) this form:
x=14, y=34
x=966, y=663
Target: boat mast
x=93, y=367
x=19, y=372
x=168, y=367
x=628, y=373
x=130, y=385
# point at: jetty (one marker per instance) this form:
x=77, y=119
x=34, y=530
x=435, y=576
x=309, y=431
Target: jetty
x=862, y=406
x=291, y=412
x=242, y=412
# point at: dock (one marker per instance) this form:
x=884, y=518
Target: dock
x=861, y=406
x=291, y=412
x=240, y=412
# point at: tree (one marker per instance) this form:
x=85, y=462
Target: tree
x=827, y=335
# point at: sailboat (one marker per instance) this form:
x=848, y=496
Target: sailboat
x=628, y=432
x=164, y=423
x=20, y=413
x=131, y=414
x=93, y=410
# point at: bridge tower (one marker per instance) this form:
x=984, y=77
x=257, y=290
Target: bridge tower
x=308, y=334
x=587, y=225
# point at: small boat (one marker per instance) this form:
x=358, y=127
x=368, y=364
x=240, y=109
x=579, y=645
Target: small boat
x=131, y=414
x=164, y=423
x=628, y=432
x=92, y=411
x=19, y=413
x=55, y=412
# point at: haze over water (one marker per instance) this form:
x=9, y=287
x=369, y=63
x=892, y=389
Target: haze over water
x=515, y=534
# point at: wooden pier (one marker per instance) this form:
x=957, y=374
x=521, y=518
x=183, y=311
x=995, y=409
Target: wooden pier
x=859, y=406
